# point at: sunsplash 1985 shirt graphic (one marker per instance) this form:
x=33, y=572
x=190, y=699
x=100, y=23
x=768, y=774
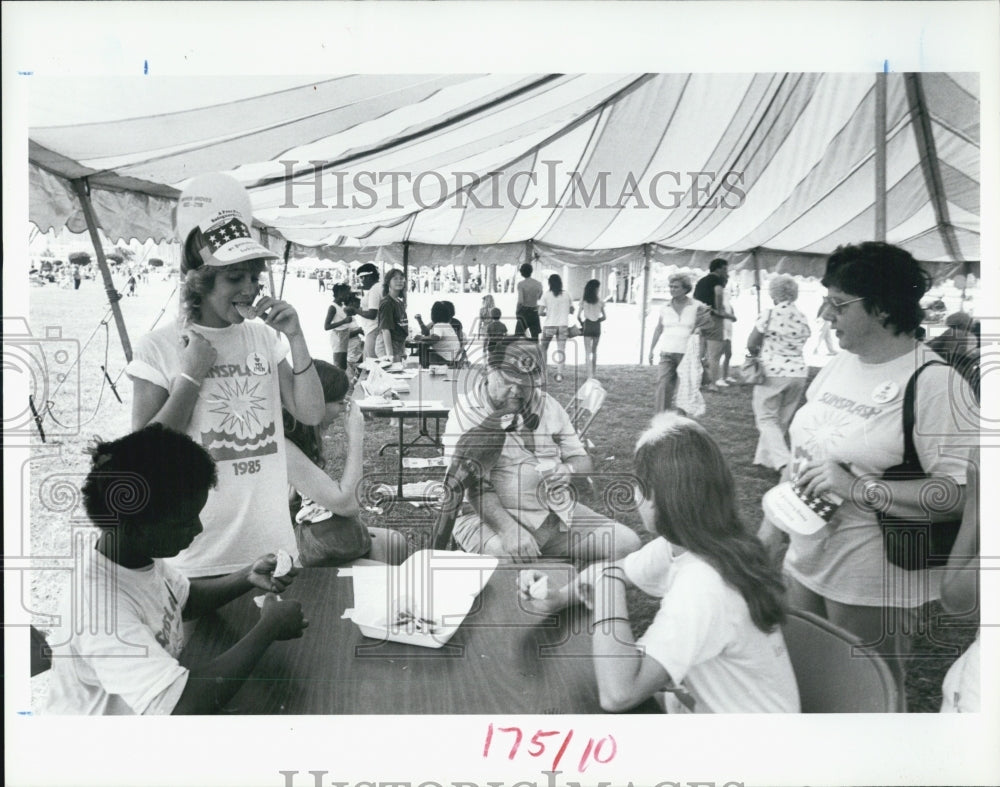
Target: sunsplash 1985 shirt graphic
x=243, y=424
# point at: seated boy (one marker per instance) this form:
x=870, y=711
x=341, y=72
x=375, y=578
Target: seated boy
x=495, y=331
x=122, y=619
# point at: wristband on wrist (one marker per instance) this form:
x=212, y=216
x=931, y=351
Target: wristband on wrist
x=190, y=379
x=306, y=369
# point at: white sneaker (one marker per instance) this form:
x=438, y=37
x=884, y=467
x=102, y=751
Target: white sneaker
x=721, y=384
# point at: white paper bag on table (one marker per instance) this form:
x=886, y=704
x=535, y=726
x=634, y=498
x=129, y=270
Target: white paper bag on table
x=422, y=601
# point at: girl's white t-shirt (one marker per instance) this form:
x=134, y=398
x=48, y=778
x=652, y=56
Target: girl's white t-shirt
x=237, y=419
x=704, y=638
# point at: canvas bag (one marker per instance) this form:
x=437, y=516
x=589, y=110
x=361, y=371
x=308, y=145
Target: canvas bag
x=752, y=370
x=688, y=396
x=328, y=539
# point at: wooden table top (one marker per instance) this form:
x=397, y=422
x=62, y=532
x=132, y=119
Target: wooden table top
x=503, y=659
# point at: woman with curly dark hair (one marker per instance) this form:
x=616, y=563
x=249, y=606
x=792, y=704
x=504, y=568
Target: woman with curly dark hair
x=850, y=431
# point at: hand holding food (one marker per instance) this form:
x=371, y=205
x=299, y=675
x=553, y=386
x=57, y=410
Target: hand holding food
x=280, y=315
x=534, y=584
x=273, y=572
x=283, y=618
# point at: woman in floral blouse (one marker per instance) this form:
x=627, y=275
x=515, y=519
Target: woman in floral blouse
x=780, y=333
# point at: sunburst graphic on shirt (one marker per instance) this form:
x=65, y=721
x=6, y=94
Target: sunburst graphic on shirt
x=827, y=430
x=240, y=406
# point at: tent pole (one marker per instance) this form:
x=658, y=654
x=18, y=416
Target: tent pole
x=756, y=276
x=284, y=273
x=645, y=299
x=491, y=278
x=406, y=268
x=880, y=123
x=966, y=269
x=270, y=272
x=82, y=193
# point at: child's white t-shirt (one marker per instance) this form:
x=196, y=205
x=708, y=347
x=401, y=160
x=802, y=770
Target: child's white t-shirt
x=338, y=336
x=447, y=345
x=704, y=638
x=121, y=634
x=355, y=344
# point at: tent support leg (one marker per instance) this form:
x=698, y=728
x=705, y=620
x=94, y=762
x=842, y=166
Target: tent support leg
x=756, y=276
x=284, y=272
x=270, y=270
x=406, y=268
x=82, y=193
x=880, y=196
x=645, y=299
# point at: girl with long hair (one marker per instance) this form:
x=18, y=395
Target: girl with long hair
x=715, y=644
x=556, y=307
x=486, y=314
x=392, y=322
x=590, y=316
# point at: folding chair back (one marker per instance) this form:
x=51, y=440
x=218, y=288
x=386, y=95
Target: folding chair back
x=41, y=655
x=586, y=405
x=834, y=672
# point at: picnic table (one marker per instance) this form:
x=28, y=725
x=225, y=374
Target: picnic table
x=504, y=658
x=430, y=396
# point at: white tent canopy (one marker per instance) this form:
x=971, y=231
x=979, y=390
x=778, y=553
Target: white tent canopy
x=588, y=168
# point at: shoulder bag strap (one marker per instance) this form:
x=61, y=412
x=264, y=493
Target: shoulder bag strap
x=910, y=457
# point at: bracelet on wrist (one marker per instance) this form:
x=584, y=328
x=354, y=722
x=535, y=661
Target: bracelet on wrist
x=190, y=379
x=308, y=366
x=596, y=623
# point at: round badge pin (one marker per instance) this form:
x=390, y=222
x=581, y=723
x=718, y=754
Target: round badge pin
x=257, y=363
x=885, y=392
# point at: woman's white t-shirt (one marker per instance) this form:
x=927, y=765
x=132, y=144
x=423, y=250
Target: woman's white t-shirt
x=853, y=415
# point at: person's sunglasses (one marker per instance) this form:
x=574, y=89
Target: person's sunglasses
x=837, y=307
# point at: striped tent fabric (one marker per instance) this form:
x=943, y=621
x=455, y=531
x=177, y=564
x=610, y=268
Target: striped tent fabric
x=585, y=168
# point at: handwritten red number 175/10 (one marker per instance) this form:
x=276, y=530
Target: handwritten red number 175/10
x=602, y=750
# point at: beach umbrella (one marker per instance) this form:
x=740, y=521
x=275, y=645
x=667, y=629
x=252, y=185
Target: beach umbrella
x=155, y=262
x=79, y=258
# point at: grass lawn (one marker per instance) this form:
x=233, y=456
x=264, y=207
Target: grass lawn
x=89, y=408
